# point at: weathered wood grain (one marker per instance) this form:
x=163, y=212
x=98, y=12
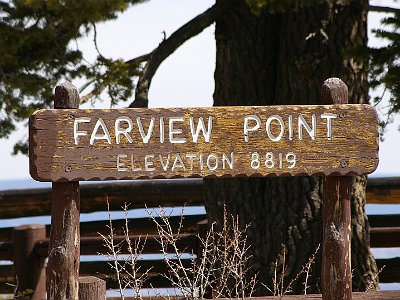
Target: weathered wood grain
x=62, y=277
x=390, y=269
x=389, y=274
x=383, y=190
x=385, y=237
x=6, y=250
x=392, y=220
x=30, y=268
x=166, y=192
x=56, y=155
x=187, y=243
x=92, y=288
x=336, y=217
x=94, y=197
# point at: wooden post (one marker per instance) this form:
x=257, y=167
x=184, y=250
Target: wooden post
x=64, y=252
x=92, y=288
x=336, y=216
x=29, y=267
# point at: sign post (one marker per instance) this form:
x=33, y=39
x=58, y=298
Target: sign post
x=64, y=248
x=336, y=216
x=335, y=140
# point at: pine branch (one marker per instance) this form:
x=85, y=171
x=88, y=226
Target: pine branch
x=383, y=9
x=169, y=45
x=138, y=60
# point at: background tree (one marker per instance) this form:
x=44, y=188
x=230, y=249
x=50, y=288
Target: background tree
x=278, y=55
x=268, y=52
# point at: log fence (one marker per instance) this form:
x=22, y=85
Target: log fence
x=27, y=245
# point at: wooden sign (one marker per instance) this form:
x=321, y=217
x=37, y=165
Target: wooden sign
x=83, y=144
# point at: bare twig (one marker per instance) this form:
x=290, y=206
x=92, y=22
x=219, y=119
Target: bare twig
x=128, y=273
x=222, y=265
x=372, y=284
x=134, y=280
x=95, y=40
x=278, y=283
x=383, y=9
x=113, y=252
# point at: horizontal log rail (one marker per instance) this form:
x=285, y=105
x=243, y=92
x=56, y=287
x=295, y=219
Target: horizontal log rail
x=392, y=220
x=94, y=197
x=380, y=237
x=102, y=269
x=390, y=269
x=383, y=190
x=385, y=229
x=186, y=243
x=385, y=237
x=390, y=273
x=153, y=193
x=137, y=226
x=6, y=250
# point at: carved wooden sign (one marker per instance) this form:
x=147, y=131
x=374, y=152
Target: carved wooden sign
x=94, y=144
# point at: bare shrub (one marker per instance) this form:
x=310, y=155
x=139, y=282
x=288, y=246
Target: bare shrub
x=221, y=268
x=279, y=287
x=128, y=272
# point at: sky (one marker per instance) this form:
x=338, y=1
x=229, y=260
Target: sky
x=185, y=79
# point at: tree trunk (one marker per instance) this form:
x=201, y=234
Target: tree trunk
x=283, y=58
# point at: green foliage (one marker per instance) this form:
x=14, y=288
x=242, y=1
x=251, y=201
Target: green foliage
x=113, y=75
x=385, y=65
x=36, y=54
x=279, y=6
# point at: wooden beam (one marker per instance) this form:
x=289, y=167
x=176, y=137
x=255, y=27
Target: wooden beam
x=390, y=269
x=63, y=264
x=29, y=267
x=6, y=250
x=383, y=190
x=37, y=202
x=153, y=193
x=392, y=220
x=336, y=216
x=92, y=288
x=141, y=226
x=383, y=237
x=94, y=245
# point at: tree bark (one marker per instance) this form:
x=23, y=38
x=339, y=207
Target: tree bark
x=279, y=59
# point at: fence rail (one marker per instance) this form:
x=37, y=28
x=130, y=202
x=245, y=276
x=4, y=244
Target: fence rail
x=37, y=202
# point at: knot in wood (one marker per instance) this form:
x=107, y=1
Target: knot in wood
x=334, y=233
x=59, y=254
